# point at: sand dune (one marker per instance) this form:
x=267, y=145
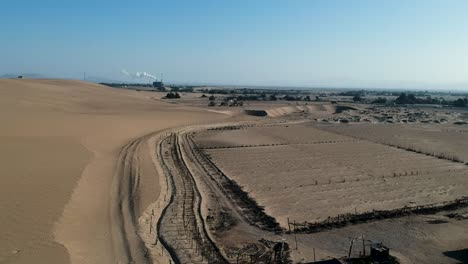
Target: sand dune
x=60, y=143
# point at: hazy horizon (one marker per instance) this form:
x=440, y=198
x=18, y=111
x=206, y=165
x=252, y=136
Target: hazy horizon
x=329, y=44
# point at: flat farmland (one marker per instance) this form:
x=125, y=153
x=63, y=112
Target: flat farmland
x=264, y=136
x=306, y=174
x=449, y=141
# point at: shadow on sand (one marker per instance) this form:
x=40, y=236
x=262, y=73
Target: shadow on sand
x=459, y=255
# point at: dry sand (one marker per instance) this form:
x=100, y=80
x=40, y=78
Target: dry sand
x=60, y=143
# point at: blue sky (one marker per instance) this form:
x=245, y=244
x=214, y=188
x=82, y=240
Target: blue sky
x=397, y=44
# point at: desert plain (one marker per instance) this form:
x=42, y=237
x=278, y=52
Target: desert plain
x=93, y=174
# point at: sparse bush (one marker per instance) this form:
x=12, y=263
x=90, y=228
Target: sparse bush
x=172, y=95
x=379, y=100
x=352, y=93
x=461, y=102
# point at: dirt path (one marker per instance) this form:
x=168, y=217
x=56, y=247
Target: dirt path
x=194, y=193
x=182, y=229
x=201, y=216
x=127, y=245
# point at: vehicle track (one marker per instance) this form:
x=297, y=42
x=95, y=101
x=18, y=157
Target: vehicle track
x=180, y=231
x=181, y=228
x=128, y=246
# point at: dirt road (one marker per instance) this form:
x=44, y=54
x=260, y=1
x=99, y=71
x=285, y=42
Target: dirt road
x=182, y=228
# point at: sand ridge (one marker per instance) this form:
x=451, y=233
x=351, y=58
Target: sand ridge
x=60, y=144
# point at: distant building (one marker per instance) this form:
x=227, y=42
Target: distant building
x=158, y=84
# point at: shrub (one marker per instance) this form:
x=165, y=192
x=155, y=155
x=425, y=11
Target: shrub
x=380, y=100
x=461, y=102
x=172, y=95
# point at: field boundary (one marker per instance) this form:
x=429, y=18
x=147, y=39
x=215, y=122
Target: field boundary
x=410, y=148
x=255, y=214
x=282, y=144
x=343, y=220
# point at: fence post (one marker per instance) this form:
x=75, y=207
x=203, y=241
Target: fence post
x=295, y=238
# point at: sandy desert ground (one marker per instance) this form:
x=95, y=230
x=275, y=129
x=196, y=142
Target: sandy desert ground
x=60, y=142
x=92, y=174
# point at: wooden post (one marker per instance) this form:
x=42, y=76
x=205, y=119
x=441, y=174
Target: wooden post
x=363, y=247
x=289, y=225
x=314, y=254
x=281, y=252
x=350, y=248
x=295, y=238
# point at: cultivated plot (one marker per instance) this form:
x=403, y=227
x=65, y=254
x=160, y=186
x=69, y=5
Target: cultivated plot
x=306, y=174
x=446, y=141
x=268, y=135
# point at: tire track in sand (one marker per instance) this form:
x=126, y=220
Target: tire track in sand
x=128, y=247
x=181, y=227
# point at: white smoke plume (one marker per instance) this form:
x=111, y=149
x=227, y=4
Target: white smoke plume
x=137, y=74
x=144, y=74
x=125, y=72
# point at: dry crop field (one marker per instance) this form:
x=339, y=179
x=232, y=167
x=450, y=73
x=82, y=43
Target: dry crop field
x=307, y=174
x=266, y=135
x=447, y=141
